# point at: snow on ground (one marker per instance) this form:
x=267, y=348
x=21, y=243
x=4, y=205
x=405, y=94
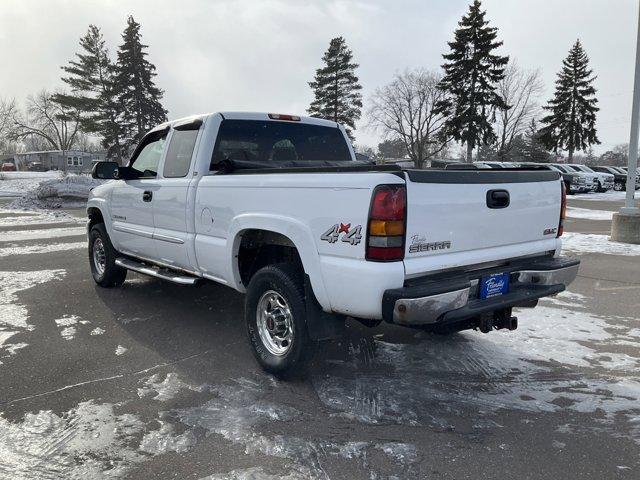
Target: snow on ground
x=13, y=315
x=562, y=357
x=41, y=234
x=595, y=243
x=611, y=195
x=16, y=249
x=587, y=214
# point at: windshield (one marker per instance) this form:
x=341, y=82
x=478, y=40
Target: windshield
x=563, y=168
x=273, y=142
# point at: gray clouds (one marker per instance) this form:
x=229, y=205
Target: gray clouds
x=260, y=54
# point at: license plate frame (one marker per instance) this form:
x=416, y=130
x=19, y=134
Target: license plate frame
x=494, y=285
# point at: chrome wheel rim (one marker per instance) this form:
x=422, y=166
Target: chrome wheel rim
x=275, y=323
x=99, y=257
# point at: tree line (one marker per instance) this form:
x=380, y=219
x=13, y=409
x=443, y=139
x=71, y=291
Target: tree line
x=480, y=101
x=113, y=99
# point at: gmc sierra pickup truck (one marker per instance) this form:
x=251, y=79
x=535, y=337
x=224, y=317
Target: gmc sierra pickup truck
x=278, y=207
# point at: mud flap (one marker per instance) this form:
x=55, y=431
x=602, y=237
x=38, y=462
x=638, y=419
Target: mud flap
x=320, y=324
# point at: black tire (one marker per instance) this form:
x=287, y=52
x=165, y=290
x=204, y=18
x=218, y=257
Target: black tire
x=111, y=275
x=286, y=281
x=599, y=187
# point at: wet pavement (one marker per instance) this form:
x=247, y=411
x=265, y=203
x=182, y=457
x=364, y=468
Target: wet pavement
x=154, y=380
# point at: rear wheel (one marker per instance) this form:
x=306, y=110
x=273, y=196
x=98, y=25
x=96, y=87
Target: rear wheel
x=275, y=315
x=102, y=258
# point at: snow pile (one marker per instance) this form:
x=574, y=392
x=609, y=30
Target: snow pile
x=16, y=184
x=68, y=191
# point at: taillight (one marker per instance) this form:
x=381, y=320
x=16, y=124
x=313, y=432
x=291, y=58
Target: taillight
x=563, y=209
x=387, y=223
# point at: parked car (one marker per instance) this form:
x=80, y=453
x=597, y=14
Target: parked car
x=8, y=167
x=591, y=180
x=573, y=181
x=36, y=167
x=277, y=207
x=619, y=177
x=604, y=181
x=625, y=170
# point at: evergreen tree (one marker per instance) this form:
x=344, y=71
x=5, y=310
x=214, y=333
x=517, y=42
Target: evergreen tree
x=336, y=89
x=90, y=77
x=472, y=72
x=137, y=93
x=571, y=123
x=533, y=150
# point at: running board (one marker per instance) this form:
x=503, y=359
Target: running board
x=164, y=274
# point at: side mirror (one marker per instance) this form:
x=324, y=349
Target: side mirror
x=105, y=170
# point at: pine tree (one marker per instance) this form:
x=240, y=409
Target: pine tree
x=571, y=123
x=472, y=72
x=533, y=150
x=336, y=89
x=137, y=93
x=90, y=77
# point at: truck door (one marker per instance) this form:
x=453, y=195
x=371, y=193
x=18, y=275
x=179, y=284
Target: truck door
x=171, y=207
x=132, y=200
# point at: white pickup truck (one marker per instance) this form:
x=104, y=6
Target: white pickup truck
x=277, y=207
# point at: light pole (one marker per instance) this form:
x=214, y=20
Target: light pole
x=625, y=226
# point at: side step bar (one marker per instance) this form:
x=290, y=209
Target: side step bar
x=164, y=274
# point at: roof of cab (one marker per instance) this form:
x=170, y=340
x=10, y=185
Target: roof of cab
x=246, y=116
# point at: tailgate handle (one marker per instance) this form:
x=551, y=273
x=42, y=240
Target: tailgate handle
x=498, y=199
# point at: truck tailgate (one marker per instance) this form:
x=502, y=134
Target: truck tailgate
x=466, y=217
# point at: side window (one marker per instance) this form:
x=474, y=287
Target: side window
x=179, y=155
x=148, y=158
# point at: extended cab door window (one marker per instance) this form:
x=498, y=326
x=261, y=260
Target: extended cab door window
x=178, y=160
x=145, y=161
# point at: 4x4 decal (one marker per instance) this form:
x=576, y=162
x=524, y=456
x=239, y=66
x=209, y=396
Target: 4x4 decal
x=352, y=236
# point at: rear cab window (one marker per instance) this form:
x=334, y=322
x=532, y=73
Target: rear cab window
x=278, y=143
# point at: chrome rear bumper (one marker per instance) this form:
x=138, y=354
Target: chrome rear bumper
x=454, y=297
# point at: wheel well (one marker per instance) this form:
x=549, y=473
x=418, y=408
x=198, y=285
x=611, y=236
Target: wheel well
x=95, y=217
x=259, y=248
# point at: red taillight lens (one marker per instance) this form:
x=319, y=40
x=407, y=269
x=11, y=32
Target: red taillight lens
x=387, y=223
x=389, y=203
x=563, y=209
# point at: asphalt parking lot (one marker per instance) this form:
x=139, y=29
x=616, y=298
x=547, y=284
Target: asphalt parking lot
x=154, y=380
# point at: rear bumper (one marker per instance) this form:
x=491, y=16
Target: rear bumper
x=453, y=297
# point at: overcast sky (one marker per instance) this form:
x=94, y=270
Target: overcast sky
x=258, y=55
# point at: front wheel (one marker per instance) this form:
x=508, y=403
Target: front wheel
x=618, y=186
x=102, y=258
x=275, y=315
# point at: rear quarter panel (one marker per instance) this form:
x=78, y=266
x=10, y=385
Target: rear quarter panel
x=302, y=207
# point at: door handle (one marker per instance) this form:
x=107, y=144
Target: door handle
x=498, y=199
x=147, y=196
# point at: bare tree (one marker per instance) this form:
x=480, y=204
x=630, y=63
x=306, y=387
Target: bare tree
x=7, y=112
x=48, y=121
x=520, y=89
x=404, y=109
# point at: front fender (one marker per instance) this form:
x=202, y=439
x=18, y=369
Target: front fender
x=296, y=231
